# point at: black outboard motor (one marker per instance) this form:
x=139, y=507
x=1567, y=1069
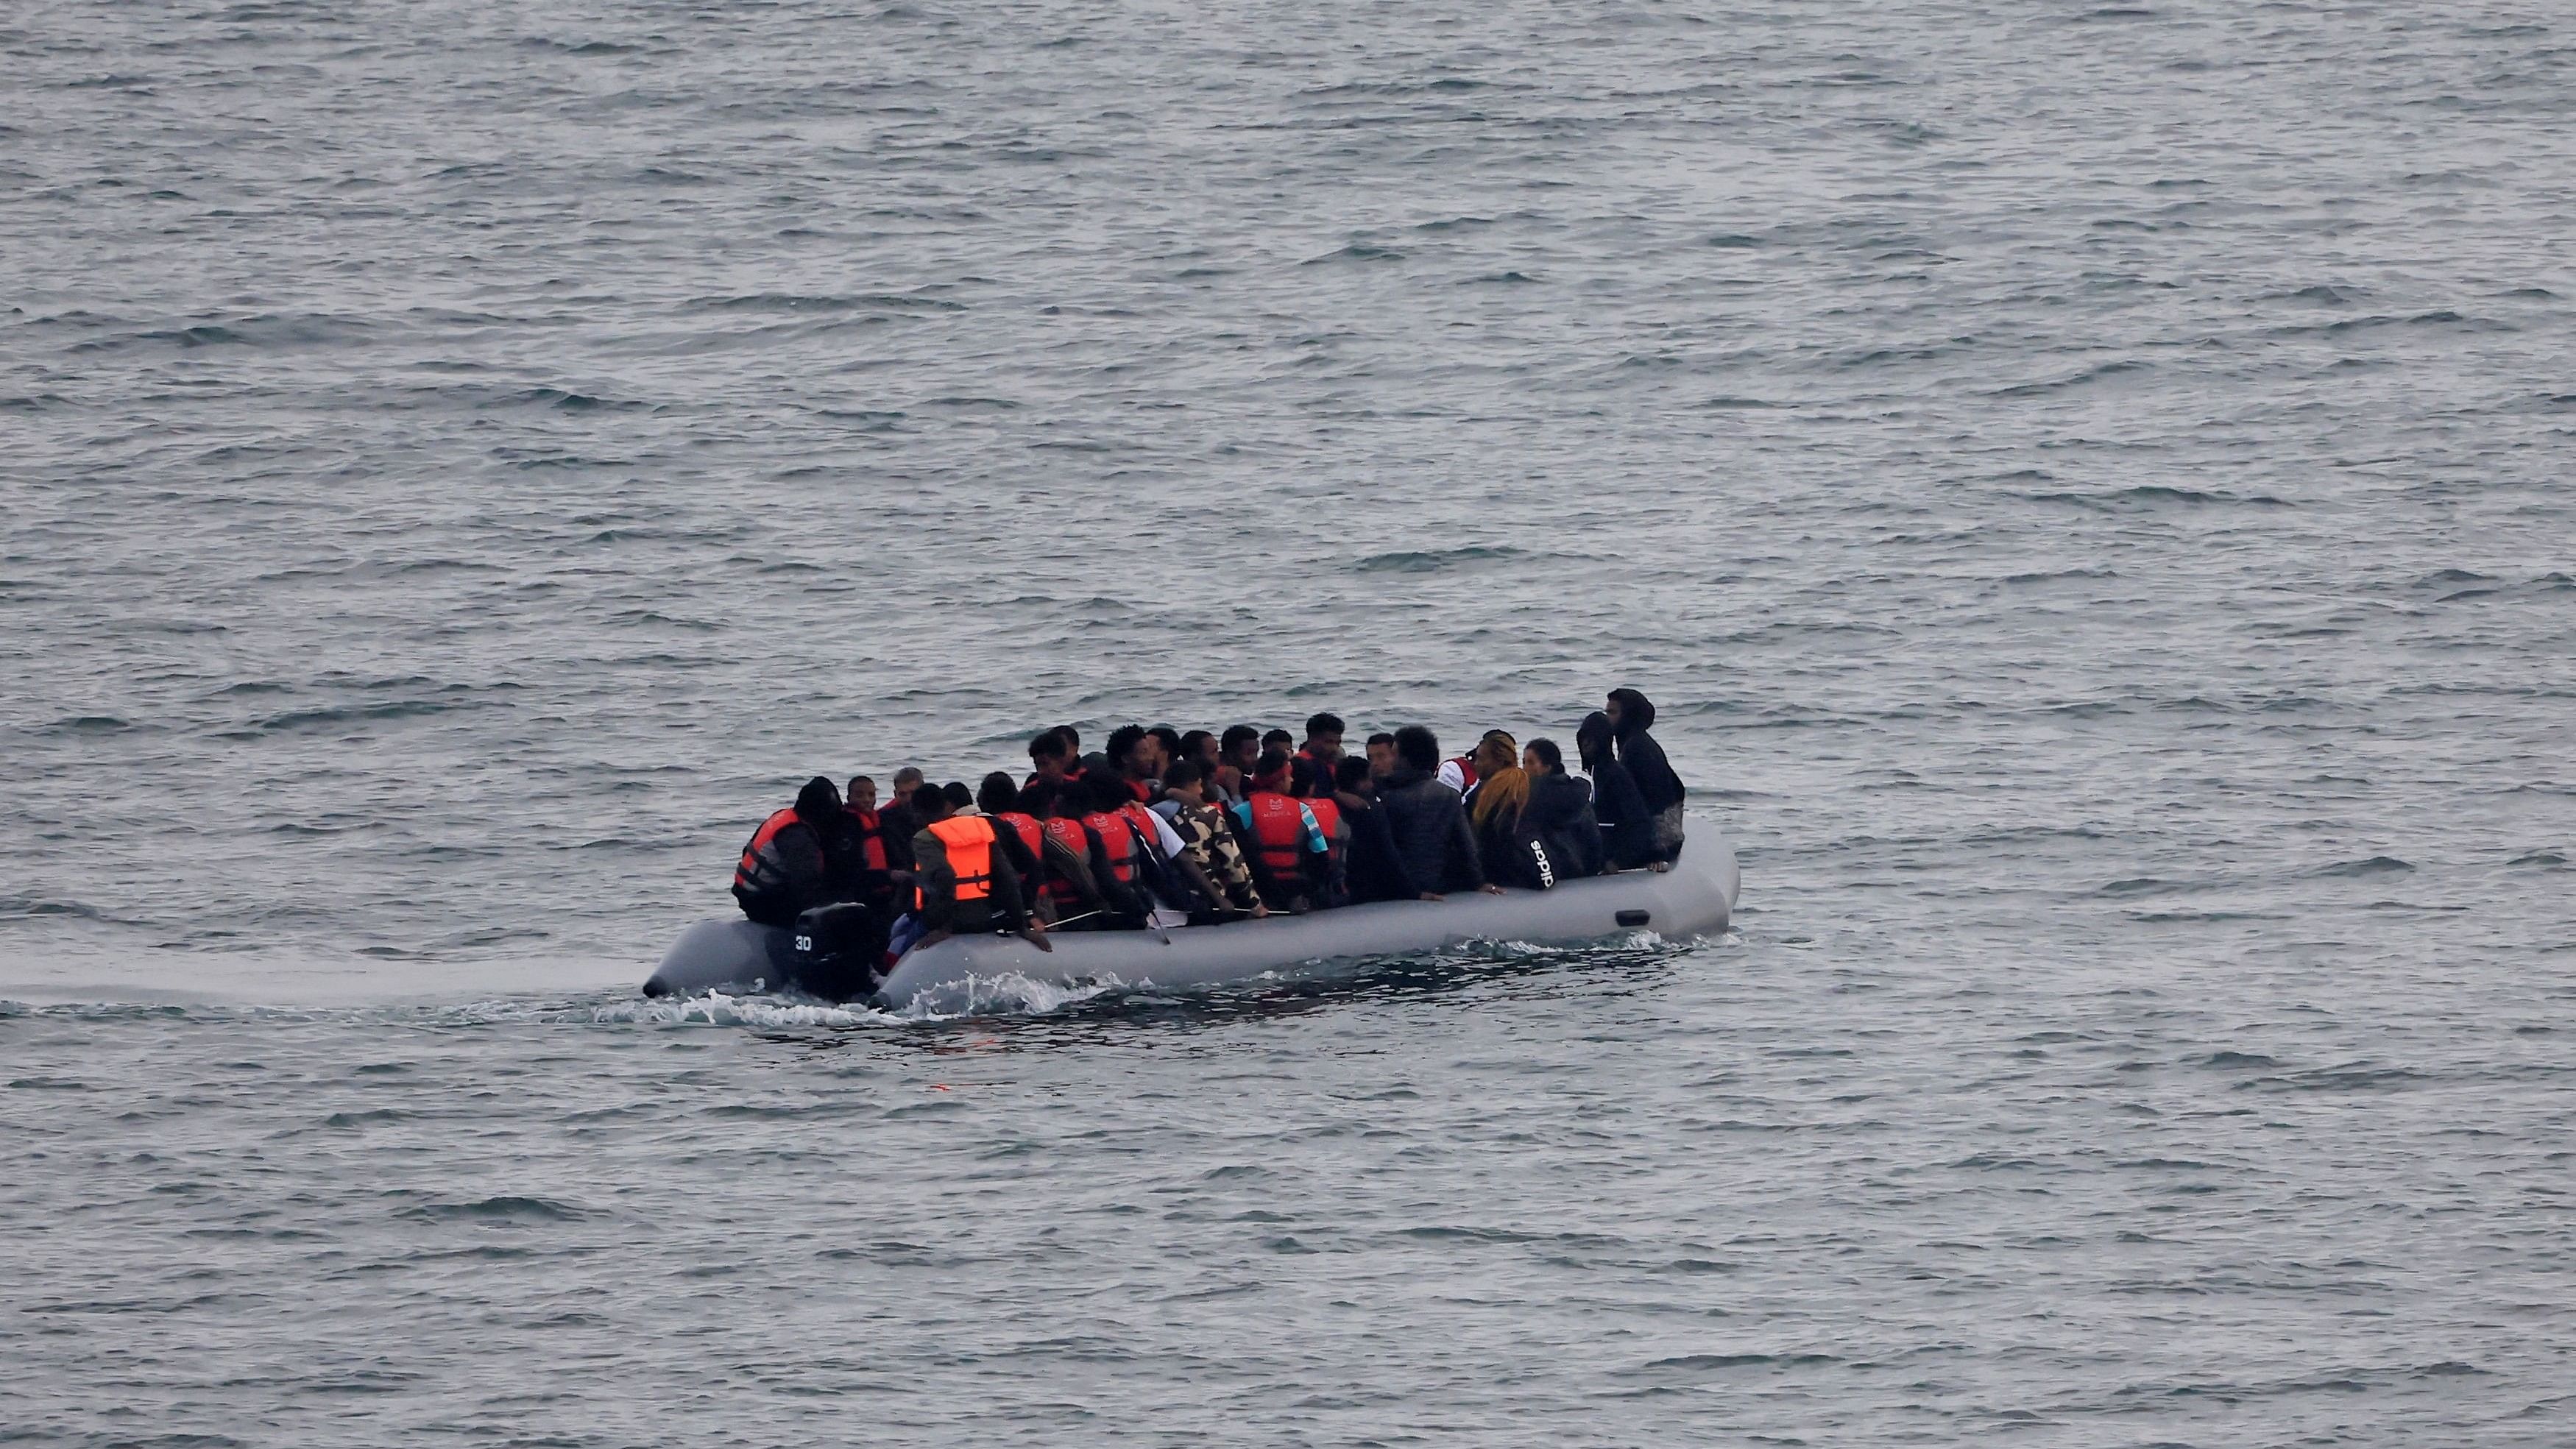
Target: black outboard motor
x=840, y=951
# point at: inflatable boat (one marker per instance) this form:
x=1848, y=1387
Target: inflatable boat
x=1694, y=898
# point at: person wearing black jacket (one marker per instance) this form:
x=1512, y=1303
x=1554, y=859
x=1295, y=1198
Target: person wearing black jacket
x=1631, y=715
x=1435, y=847
x=1559, y=838
x=1627, y=830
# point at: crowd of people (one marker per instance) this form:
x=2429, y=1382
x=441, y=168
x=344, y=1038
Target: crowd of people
x=1164, y=827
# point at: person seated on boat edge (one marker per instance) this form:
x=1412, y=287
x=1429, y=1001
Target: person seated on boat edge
x=1370, y=871
x=1631, y=716
x=1137, y=845
x=968, y=883
x=1082, y=886
x=1494, y=806
x=897, y=824
x=1435, y=847
x=1050, y=758
x=787, y=866
x=998, y=800
x=1558, y=839
x=1237, y=752
x=1627, y=831
x=1316, y=758
x=1291, y=857
x=876, y=883
x=1381, y=755
x=1211, y=856
x=1137, y=757
x=1317, y=787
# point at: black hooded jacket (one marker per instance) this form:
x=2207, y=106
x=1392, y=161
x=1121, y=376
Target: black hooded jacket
x=1435, y=847
x=1656, y=783
x=1559, y=820
x=1627, y=828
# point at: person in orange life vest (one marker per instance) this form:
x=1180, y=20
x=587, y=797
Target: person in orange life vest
x=1085, y=870
x=999, y=801
x=1290, y=856
x=875, y=885
x=1318, y=789
x=1050, y=758
x=1381, y=756
x=1209, y=845
x=799, y=858
x=1064, y=888
x=1317, y=757
x=1122, y=862
x=968, y=880
x=1236, y=753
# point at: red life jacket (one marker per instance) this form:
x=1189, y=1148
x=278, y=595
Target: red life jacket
x=871, y=835
x=1118, y=837
x=1328, y=815
x=1147, y=823
x=1071, y=835
x=1466, y=766
x=1140, y=790
x=1278, y=834
x=1032, y=834
x=759, y=841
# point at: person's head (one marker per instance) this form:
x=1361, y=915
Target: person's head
x=1592, y=739
x=819, y=801
x=1105, y=792
x=1132, y=751
x=1049, y=755
x=1240, y=747
x=1324, y=736
x=1095, y=765
x=1381, y=755
x=1167, y=747
x=1496, y=752
x=997, y=794
x=1186, y=782
x=1038, y=800
x=1278, y=740
x=1199, y=745
x=931, y=803
x=959, y=797
x=863, y=793
x=1542, y=757
x=1630, y=712
x=1270, y=773
x=1354, y=774
x=1072, y=740
x=1417, y=748
x=907, y=780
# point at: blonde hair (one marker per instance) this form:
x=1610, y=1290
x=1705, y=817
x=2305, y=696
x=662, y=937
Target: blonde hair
x=1506, y=789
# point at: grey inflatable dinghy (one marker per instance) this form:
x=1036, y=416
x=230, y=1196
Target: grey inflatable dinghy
x=1694, y=898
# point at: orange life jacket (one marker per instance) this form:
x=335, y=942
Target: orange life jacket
x=969, y=840
x=760, y=838
x=1279, y=833
x=871, y=836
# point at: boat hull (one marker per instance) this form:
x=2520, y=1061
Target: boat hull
x=1695, y=898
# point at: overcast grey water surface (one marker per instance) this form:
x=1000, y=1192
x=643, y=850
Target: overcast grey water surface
x=2085, y=483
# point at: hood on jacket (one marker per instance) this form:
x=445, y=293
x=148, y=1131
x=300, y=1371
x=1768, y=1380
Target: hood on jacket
x=819, y=801
x=1636, y=712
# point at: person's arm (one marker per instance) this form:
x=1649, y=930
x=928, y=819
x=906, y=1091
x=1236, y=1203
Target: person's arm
x=938, y=884
x=1316, y=860
x=1167, y=837
x=1462, y=850
x=1008, y=900
x=1016, y=851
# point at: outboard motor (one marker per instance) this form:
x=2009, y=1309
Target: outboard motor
x=840, y=951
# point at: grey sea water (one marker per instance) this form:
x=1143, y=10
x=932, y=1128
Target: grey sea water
x=2085, y=483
